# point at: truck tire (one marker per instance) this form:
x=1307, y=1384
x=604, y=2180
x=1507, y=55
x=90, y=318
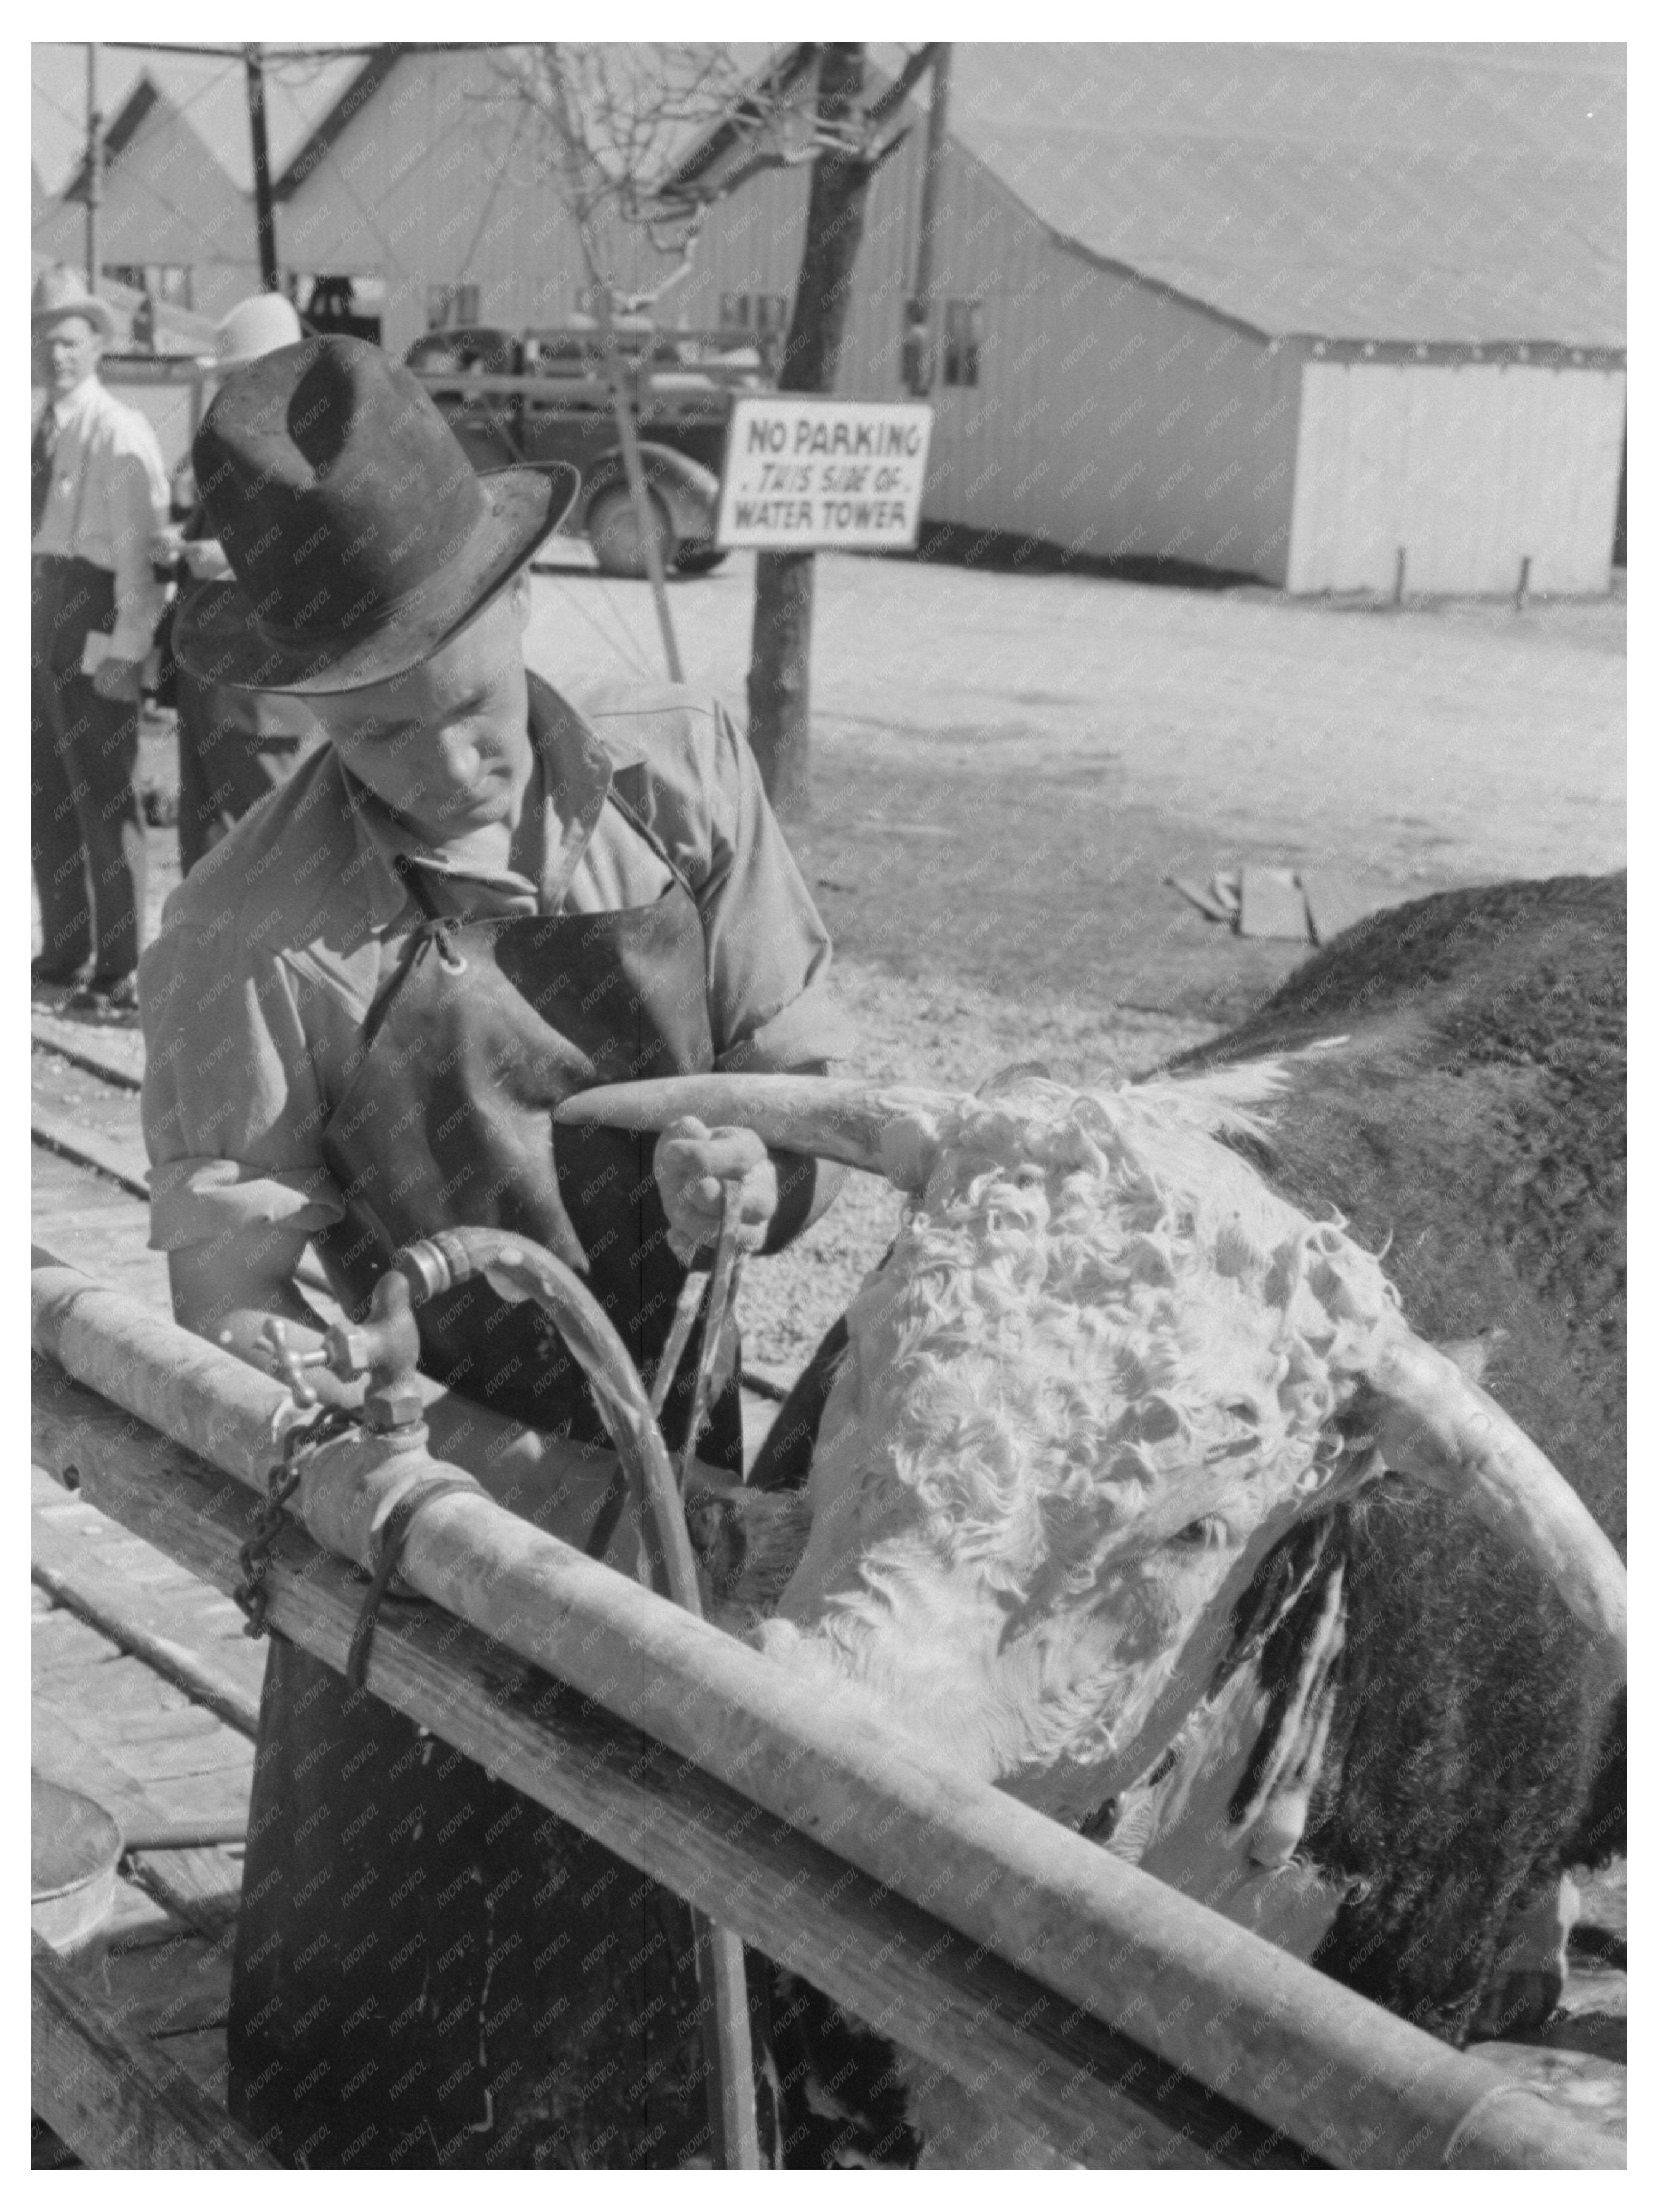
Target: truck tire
x=613, y=532
x=699, y=558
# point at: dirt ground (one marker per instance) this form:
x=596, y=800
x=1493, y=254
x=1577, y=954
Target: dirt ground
x=1007, y=764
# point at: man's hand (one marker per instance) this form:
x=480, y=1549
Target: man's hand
x=115, y=678
x=693, y=1162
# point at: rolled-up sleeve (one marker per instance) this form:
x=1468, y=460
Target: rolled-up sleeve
x=683, y=766
x=232, y=1117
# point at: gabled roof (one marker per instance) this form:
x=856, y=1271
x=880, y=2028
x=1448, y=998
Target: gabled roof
x=362, y=86
x=142, y=101
x=166, y=195
x=1449, y=194
x=210, y=89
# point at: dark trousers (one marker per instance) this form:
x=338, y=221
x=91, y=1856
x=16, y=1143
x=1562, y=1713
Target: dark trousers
x=234, y=746
x=90, y=863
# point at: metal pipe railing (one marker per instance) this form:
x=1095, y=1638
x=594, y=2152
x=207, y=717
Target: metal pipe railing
x=1094, y=2094
x=1335, y=2074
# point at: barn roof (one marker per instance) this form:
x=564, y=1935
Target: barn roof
x=319, y=142
x=144, y=99
x=1451, y=193
x=166, y=196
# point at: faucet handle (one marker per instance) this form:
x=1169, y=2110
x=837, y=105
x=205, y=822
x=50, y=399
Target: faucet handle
x=290, y=1361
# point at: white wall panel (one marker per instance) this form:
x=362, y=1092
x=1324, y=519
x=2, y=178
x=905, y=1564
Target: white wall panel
x=1470, y=469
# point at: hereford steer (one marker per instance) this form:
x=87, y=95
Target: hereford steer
x=1152, y=1477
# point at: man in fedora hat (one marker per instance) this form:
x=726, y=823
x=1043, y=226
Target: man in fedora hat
x=234, y=745
x=99, y=493
x=360, y=1010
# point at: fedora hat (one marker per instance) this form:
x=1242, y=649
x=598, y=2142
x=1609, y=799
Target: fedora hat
x=253, y=327
x=59, y=292
x=359, y=533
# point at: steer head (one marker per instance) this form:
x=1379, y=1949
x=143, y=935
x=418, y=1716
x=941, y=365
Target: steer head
x=1103, y=1369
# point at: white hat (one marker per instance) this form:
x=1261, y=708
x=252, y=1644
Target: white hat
x=253, y=327
x=59, y=292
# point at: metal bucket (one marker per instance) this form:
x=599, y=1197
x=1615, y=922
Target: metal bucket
x=74, y=1847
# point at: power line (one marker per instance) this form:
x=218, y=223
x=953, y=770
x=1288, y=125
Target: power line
x=235, y=53
x=79, y=122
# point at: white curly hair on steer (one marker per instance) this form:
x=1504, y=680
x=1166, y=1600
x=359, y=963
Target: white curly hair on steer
x=1100, y=1362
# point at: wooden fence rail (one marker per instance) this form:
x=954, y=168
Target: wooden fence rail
x=1124, y=2021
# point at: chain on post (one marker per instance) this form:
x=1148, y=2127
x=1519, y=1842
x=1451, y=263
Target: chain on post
x=301, y=1442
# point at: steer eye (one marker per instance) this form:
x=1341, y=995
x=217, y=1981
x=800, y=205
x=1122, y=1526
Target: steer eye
x=1205, y=1535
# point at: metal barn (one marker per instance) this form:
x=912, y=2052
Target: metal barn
x=1345, y=317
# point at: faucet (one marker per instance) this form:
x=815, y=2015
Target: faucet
x=385, y=1347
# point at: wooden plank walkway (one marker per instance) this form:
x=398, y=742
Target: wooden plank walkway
x=170, y=1770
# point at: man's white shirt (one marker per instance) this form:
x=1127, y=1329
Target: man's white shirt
x=108, y=497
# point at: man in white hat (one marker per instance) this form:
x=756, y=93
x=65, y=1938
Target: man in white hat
x=100, y=492
x=234, y=745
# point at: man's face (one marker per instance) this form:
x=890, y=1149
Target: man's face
x=447, y=746
x=65, y=354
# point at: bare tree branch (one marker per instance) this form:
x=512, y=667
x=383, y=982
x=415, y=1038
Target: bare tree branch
x=902, y=85
x=618, y=123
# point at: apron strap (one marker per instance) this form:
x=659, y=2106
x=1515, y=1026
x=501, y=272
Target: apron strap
x=441, y=929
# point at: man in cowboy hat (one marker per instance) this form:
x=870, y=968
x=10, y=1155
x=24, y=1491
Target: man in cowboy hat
x=360, y=1010
x=234, y=745
x=99, y=493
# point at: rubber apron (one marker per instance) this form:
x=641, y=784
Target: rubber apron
x=430, y=1968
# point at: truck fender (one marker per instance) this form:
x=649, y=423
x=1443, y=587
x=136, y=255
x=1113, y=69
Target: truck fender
x=688, y=491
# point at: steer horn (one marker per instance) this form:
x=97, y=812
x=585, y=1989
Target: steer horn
x=1431, y=1421
x=892, y=1132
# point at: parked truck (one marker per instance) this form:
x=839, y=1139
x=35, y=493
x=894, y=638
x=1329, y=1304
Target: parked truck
x=546, y=395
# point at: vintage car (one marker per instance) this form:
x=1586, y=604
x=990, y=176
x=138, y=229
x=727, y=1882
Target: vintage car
x=545, y=395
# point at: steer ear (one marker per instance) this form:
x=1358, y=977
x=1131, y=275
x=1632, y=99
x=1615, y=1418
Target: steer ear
x=892, y=1131
x=1430, y=1421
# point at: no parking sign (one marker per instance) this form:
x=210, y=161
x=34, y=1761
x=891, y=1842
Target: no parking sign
x=801, y=473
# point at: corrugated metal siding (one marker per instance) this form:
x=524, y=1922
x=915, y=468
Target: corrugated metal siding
x=1469, y=469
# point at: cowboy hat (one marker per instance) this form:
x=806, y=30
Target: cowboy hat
x=361, y=537
x=61, y=292
x=253, y=327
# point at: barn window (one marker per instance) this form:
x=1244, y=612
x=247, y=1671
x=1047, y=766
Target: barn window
x=762, y=313
x=963, y=336
x=448, y=307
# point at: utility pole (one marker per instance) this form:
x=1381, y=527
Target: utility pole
x=265, y=213
x=920, y=354
x=94, y=168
